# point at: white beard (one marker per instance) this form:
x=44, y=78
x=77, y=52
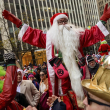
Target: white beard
x=67, y=40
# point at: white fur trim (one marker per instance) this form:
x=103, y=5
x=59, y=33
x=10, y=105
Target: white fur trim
x=22, y=31
x=59, y=17
x=50, y=68
x=102, y=28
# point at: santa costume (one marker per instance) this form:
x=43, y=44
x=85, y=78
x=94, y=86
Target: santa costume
x=104, y=48
x=36, y=37
x=70, y=41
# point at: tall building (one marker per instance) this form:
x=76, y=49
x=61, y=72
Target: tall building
x=37, y=14
x=101, y=4
x=90, y=12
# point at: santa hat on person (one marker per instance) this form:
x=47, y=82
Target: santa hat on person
x=21, y=71
x=103, y=41
x=58, y=16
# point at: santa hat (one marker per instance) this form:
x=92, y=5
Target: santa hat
x=58, y=16
x=103, y=41
x=21, y=71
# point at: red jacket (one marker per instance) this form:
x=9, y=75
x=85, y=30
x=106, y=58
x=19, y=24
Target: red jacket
x=104, y=49
x=9, y=90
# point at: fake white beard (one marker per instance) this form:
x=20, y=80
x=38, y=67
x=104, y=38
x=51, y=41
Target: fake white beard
x=66, y=39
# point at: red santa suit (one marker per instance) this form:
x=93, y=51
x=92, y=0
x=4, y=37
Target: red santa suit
x=37, y=38
x=104, y=48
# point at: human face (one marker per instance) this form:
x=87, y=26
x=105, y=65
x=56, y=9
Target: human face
x=31, y=78
x=93, y=105
x=62, y=21
x=92, y=63
x=95, y=58
x=42, y=76
x=19, y=77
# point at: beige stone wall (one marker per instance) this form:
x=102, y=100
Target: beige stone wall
x=4, y=31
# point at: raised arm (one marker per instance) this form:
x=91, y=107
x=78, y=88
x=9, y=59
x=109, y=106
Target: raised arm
x=94, y=35
x=97, y=32
x=27, y=34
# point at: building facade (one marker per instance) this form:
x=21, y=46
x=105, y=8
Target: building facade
x=90, y=12
x=101, y=4
x=37, y=14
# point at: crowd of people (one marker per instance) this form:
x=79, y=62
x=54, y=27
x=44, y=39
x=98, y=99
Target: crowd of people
x=68, y=80
x=32, y=82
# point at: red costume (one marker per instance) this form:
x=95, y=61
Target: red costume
x=38, y=38
x=104, y=48
x=9, y=90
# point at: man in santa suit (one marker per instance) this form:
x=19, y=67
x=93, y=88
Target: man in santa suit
x=67, y=39
x=104, y=48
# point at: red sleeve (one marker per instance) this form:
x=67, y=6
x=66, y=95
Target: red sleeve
x=91, y=36
x=9, y=88
x=99, y=50
x=35, y=37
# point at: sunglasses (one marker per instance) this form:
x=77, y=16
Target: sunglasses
x=41, y=74
x=95, y=101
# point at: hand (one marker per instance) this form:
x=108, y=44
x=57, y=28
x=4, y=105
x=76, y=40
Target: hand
x=9, y=16
x=106, y=13
x=51, y=100
x=31, y=108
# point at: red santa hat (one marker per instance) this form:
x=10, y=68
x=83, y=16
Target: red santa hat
x=103, y=41
x=58, y=16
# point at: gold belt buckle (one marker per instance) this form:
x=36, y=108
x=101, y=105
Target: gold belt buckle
x=61, y=98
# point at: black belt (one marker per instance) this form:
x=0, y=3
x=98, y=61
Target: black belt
x=105, y=51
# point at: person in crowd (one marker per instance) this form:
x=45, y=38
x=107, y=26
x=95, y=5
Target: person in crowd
x=44, y=66
x=92, y=65
x=37, y=75
x=68, y=40
x=97, y=58
x=43, y=90
x=30, y=64
x=28, y=89
x=98, y=95
x=83, y=68
x=25, y=65
x=25, y=77
x=44, y=81
x=31, y=77
x=21, y=99
x=104, y=48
